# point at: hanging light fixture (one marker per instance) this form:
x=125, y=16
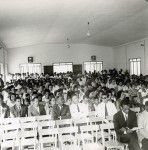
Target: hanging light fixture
x=68, y=43
x=88, y=30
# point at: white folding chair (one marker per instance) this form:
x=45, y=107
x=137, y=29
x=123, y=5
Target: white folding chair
x=110, y=142
x=6, y=121
x=81, y=121
x=89, y=137
x=97, y=120
x=48, y=138
x=27, y=119
x=43, y=118
x=68, y=138
x=64, y=123
x=92, y=114
x=29, y=135
x=46, y=125
x=10, y=136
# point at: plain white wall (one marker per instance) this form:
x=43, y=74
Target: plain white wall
x=137, y=49
x=46, y=54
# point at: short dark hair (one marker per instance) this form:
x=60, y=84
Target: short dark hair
x=125, y=101
x=59, y=96
x=17, y=98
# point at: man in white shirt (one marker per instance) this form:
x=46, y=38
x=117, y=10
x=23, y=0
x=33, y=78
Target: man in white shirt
x=106, y=108
x=75, y=108
x=85, y=107
x=143, y=124
x=96, y=103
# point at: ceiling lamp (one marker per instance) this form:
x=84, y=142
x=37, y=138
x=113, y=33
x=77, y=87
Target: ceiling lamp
x=88, y=30
x=68, y=43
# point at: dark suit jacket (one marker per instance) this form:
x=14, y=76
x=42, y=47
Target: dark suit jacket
x=119, y=122
x=64, y=113
x=33, y=112
x=19, y=113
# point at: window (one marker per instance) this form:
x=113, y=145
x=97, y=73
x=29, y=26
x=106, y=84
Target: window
x=31, y=68
x=91, y=66
x=62, y=67
x=1, y=69
x=135, y=66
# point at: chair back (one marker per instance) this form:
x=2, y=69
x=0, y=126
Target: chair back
x=10, y=135
x=10, y=121
x=29, y=134
x=88, y=133
x=43, y=118
x=106, y=128
x=46, y=125
x=97, y=120
x=81, y=121
x=27, y=119
x=68, y=134
x=64, y=123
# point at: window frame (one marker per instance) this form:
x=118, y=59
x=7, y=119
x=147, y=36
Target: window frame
x=28, y=64
x=61, y=63
x=93, y=61
x=131, y=60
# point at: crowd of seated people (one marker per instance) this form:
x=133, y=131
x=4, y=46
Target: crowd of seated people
x=101, y=92
x=67, y=95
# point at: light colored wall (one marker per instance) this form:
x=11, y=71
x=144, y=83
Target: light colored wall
x=50, y=53
x=3, y=62
x=138, y=49
x=1, y=55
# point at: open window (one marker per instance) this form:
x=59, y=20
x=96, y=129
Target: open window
x=63, y=67
x=135, y=66
x=30, y=68
x=91, y=66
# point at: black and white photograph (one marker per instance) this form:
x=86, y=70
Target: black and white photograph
x=73, y=74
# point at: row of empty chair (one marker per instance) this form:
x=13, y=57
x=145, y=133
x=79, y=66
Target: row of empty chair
x=41, y=133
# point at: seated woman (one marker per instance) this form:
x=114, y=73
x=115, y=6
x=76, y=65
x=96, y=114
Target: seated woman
x=35, y=108
x=49, y=106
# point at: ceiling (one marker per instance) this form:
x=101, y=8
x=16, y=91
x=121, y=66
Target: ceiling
x=112, y=22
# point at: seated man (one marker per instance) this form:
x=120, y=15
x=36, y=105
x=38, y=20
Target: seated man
x=75, y=107
x=36, y=109
x=105, y=108
x=143, y=124
x=124, y=122
x=19, y=110
x=60, y=110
